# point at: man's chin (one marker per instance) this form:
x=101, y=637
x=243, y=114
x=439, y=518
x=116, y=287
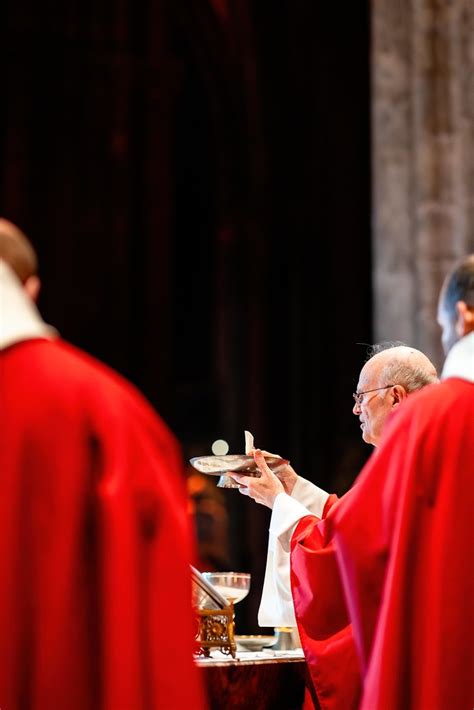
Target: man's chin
x=366, y=437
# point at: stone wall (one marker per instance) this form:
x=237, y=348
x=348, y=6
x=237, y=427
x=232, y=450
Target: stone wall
x=423, y=160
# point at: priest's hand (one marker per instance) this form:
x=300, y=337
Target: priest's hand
x=285, y=473
x=263, y=490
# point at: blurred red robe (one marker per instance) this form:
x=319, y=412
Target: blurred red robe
x=95, y=545
x=404, y=541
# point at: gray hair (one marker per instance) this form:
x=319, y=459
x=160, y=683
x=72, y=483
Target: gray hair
x=411, y=378
x=400, y=371
x=384, y=345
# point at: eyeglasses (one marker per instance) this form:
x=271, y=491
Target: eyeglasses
x=358, y=396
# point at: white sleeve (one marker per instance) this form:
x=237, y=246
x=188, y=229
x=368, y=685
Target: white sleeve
x=276, y=605
x=309, y=495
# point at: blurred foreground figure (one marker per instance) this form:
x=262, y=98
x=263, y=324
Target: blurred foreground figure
x=404, y=534
x=95, y=597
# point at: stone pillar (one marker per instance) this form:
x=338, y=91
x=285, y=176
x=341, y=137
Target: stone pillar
x=423, y=160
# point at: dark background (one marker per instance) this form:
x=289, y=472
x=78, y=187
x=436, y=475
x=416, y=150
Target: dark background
x=195, y=177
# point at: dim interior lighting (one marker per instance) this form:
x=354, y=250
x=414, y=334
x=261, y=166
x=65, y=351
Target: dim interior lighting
x=220, y=447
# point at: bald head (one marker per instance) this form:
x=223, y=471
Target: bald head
x=17, y=251
x=390, y=374
x=402, y=365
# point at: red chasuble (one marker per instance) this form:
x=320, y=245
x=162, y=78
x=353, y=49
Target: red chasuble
x=95, y=544
x=321, y=614
x=404, y=541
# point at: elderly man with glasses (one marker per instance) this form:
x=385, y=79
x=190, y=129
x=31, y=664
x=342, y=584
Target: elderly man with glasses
x=385, y=381
x=392, y=372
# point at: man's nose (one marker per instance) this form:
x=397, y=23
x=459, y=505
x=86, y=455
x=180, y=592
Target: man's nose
x=356, y=409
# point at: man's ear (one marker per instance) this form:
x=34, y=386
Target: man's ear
x=465, y=318
x=399, y=394
x=32, y=287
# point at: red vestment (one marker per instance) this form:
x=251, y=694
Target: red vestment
x=404, y=542
x=95, y=544
x=321, y=614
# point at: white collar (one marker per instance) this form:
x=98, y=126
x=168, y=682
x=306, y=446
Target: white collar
x=460, y=360
x=19, y=317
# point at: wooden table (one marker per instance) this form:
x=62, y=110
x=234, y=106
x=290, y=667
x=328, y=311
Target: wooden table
x=254, y=681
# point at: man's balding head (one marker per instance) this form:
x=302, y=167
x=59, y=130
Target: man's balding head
x=402, y=365
x=18, y=252
x=390, y=374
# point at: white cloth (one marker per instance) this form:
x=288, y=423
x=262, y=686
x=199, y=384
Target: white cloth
x=276, y=605
x=460, y=360
x=19, y=317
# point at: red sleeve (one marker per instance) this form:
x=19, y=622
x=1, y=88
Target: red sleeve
x=322, y=619
x=332, y=499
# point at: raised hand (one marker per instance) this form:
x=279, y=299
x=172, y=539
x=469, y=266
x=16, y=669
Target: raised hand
x=263, y=490
x=285, y=473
